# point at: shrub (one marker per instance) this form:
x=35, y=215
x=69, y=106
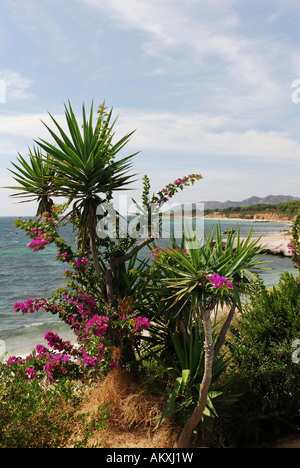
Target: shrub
x=35, y=416
x=261, y=346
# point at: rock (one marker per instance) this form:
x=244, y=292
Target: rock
x=277, y=244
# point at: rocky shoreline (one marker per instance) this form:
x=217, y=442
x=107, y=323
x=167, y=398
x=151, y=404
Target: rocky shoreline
x=277, y=244
x=274, y=244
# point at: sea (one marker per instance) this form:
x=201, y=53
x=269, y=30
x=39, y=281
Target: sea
x=25, y=274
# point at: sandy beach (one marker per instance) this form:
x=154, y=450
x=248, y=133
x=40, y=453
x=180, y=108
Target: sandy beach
x=277, y=244
x=265, y=219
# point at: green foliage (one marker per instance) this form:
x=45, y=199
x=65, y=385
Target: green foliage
x=36, y=179
x=295, y=243
x=173, y=293
x=286, y=209
x=82, y=168
x=85, y=160
x=261, y=346
x=180, y=368
x=179, y=275
x=34, y=416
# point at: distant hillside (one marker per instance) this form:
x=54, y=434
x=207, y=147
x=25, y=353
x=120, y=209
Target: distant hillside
x=270, y=199
x=270, y=211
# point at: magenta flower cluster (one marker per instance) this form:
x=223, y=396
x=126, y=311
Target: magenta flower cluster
x=55, y=342
x=292, y=247
x=83, y=308
x=169, y=191
x=54, y=363
x=156, y=252
x=33, y=305
x=82, y=262
x=97, y=325
x=47, y=217
x=39, y=242
x=218, y=281
x=141, y=323
x=64, y=256
x=94, y=333
x=88, y=360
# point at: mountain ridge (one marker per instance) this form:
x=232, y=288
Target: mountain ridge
x=254, y=200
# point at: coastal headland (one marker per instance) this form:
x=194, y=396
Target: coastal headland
x=276, y=243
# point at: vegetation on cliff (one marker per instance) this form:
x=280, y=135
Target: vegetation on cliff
x=284, y=211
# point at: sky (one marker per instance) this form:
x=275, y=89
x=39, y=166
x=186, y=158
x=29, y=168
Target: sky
x=210, y=87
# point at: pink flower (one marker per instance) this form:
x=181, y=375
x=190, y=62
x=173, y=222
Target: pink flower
x=31, y=373
x=97, y=325
x=81, y=261
x=219, y=281
x=141, y=323
x=39, y=242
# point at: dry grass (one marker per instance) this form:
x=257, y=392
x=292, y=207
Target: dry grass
x=133, y=414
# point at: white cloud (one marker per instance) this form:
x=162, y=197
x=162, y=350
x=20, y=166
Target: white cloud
x=205, y=135
x=204, y=41
x=192, y=133
x=28, y=125
x=16, y=86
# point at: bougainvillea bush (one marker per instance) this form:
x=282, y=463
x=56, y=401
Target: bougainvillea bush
x=99, y=327
x=83, y=169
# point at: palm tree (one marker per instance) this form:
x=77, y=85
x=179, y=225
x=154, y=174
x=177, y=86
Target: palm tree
x=86, y=169
x=36, y=180
x=185, y=282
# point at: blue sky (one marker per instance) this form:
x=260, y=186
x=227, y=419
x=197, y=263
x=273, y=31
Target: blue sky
x=207, y=84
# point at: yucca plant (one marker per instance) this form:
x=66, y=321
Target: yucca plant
x=183, y=364
x=81, y=167
x=217, y=273
x=35, y=178
x=86, y=169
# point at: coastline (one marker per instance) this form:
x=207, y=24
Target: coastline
x=21, y=334
x=254, y=220
x=274, y=244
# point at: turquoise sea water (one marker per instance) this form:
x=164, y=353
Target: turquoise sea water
x=24, y=275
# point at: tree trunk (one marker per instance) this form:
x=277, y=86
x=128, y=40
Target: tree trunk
x=95, y=256
x=93, y=242
x=116, y=263
x=184, y=439
x=109, y=285
x=222, y=335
